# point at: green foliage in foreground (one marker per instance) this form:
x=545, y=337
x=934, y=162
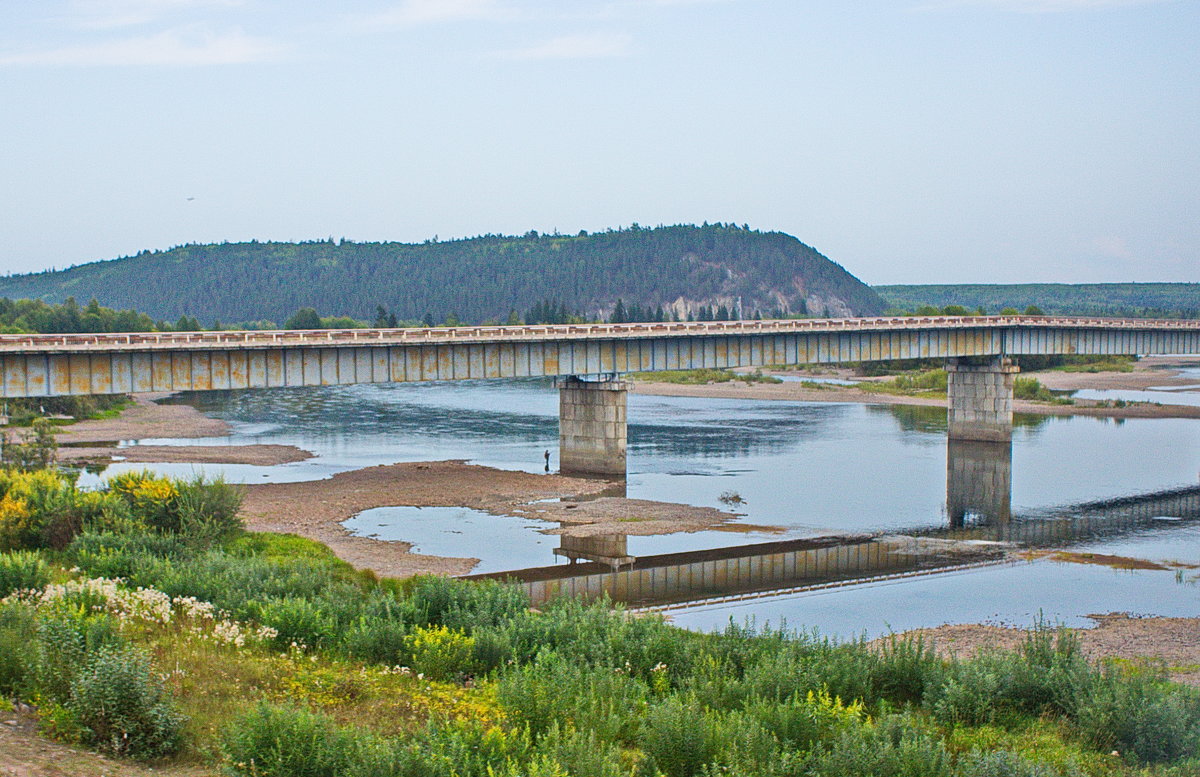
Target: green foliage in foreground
x=273, y=657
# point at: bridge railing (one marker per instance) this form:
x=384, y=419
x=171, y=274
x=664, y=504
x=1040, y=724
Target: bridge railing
x=466, y=334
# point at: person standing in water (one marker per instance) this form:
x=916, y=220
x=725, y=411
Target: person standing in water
x=547, y=461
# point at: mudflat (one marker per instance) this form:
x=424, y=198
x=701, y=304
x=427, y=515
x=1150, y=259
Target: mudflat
x=1173, y=641
x=147, y=418
x=316, y=509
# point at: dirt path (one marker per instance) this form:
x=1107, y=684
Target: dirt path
x=316, y=509
x=25, y=754
x=1175, y=641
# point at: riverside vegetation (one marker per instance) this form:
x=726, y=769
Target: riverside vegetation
x=140, y=619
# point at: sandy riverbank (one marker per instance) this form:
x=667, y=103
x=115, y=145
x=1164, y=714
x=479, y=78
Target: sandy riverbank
x=1151, y=371
x=1174, y=641
x=147, y=418
x=316, y=509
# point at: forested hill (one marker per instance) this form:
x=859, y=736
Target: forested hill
x=679, y=268
x=1145, y=300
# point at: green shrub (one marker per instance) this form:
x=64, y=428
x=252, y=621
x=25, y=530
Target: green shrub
x=969, y=697
x=552, y=690
x=275, y=741
x=441, y=653
x=1001, y=763
x=465, y=749
x=801, y=722
x=897, y=746
x=1031, y=388
x=463, y=605
x=681, y=737
x=37, y=510
x=66, y=640
x=582, y=753
x=123, y=706
x=1143, y=716
x=199, y=509
x=22, y=571
x=208, y=510
x=113, y=554
x=18, y=650
x=298, y=621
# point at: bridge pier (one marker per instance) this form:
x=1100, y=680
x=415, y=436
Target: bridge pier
x=980, y=399
x=591, y=426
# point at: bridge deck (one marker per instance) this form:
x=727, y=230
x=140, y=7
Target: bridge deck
x=122, y=341
x=64, y=364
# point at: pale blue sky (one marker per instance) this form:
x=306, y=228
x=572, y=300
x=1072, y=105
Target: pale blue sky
x=911, y=140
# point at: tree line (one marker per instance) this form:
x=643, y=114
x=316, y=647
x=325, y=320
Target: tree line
x=486, y=278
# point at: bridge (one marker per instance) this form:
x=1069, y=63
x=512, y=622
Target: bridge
x=587, y=359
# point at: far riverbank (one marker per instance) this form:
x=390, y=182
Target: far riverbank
x=1150, y=371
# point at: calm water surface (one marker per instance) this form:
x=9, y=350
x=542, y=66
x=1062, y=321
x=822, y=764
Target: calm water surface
x=804, y=468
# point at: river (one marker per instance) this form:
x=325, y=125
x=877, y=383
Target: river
x=805, y=469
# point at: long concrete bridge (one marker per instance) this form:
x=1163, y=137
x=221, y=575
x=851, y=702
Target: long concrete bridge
x=588, y=359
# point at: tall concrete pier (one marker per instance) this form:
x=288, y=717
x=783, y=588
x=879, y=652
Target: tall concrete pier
x=981, y=397
x=591, y=426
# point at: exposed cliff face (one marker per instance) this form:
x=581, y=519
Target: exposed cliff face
x=680, y=268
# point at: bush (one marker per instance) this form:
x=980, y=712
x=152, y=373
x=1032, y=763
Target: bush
x=275, y=741
x=123, y=708
x=682, y=738
x=1141, y=715
x=441, y=653
x=1001, y=763
x=199, y=509
x=22, y=571
x=554, y=691
x=66, y=640
x=208, y=510
x=801, y=722
x=18, y=649
x=37, y=510
x=298, y=621
x=895, y=747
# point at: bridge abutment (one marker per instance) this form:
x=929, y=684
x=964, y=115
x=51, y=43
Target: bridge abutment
x=980, y=399
x=591, y=426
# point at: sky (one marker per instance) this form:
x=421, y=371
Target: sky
x=912, y=141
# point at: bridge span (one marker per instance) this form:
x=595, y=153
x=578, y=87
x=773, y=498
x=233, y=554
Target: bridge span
x=587, y=358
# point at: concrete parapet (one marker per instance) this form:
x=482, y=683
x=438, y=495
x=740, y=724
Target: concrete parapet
x=980, y=399
x=592, y=426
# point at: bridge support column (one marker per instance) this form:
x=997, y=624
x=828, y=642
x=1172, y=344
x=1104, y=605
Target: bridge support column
x=981, y=397
x=591, y=426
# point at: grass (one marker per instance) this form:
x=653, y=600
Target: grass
x=704, y=376
x=922, y=383
x=1097, y=364
x=281, y=659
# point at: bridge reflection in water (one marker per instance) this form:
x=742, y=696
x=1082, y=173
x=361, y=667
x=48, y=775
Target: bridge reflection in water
x=981, y=529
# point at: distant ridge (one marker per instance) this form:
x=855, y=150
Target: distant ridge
x=1143, y=300
x=678, y=268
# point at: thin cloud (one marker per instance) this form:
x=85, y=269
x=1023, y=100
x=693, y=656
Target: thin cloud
x=599, y=45
x=412, y=13
x=1034, y=6
x=114, y=14
x=179, y=47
